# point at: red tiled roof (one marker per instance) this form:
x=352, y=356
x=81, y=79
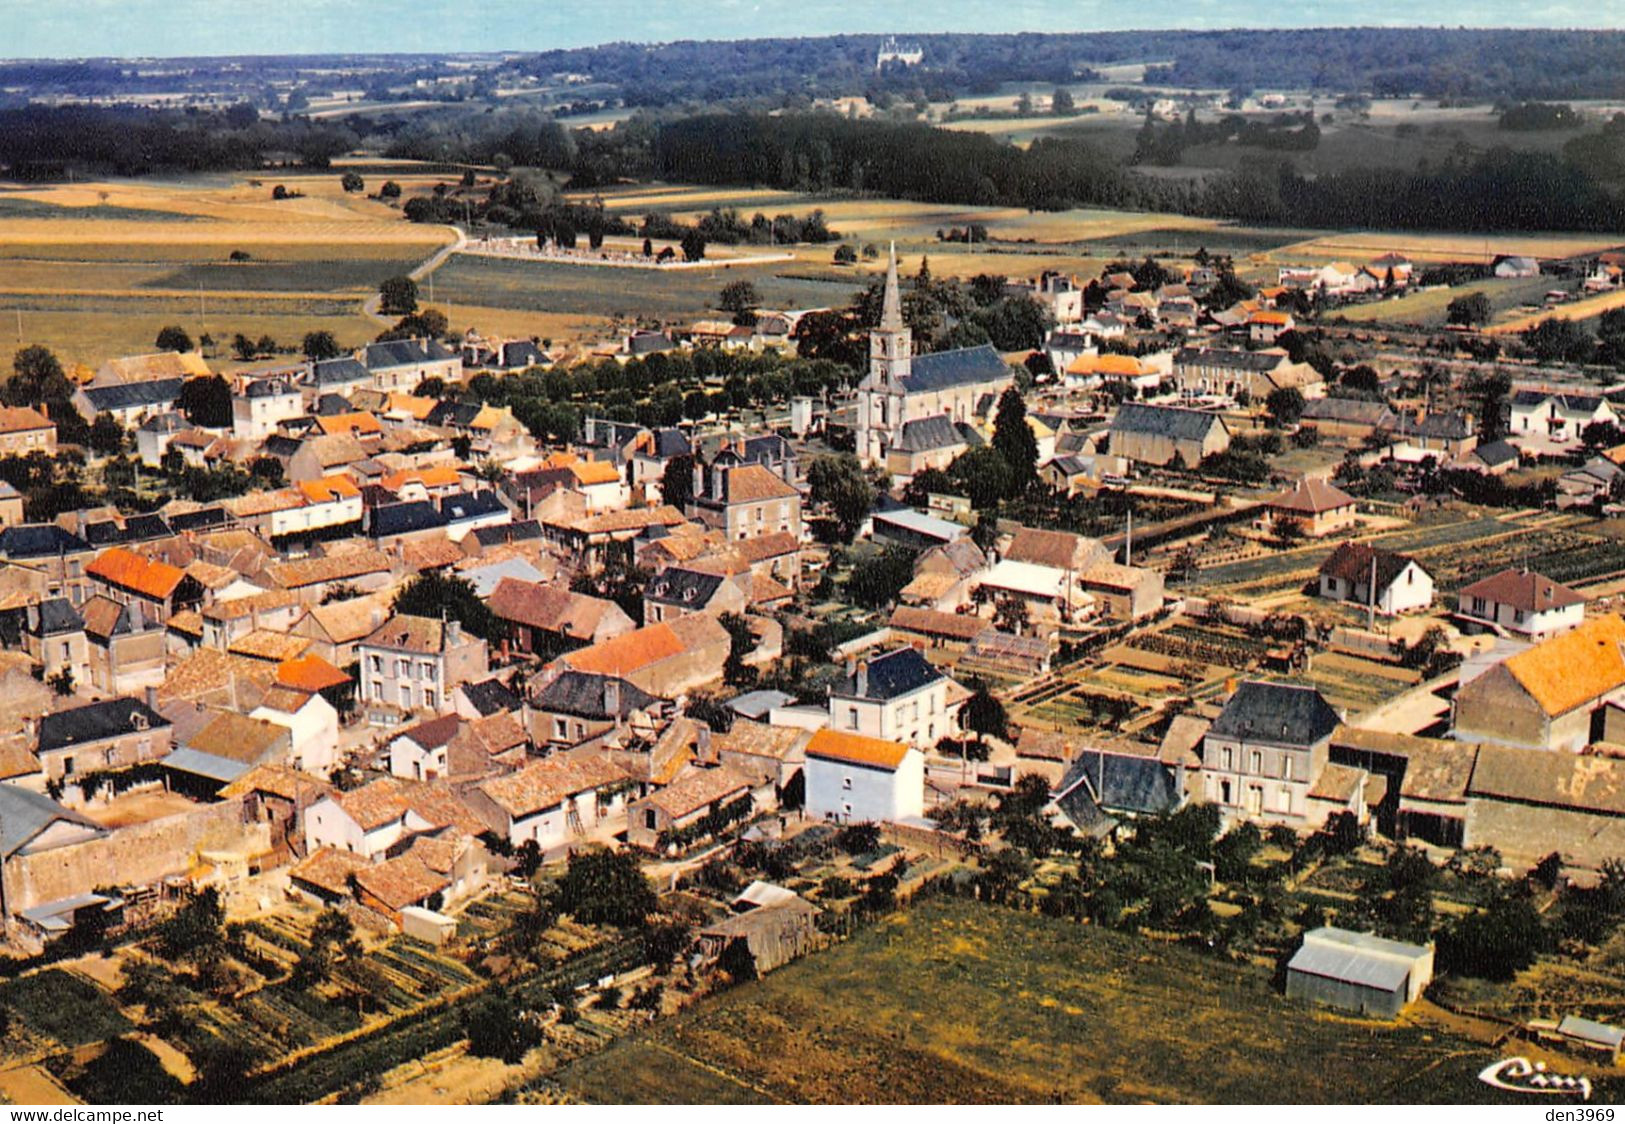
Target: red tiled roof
x=128, y=570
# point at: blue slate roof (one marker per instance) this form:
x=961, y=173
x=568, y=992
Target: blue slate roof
x=405, y=353
x=338, y=372
x=54, y=617
x=582, y=695
x=39, y=540
x=965, y=366
x=490, y=696
x=463, y=506
x=133, y=395
x=1164, y=421
x=1279, y=713
x=403, y=518
x=922, y=435
x=200, y=519
x=521, y=530
x=92, y=722
x=892, y=675
x=269, y=388
x=683, y=587
x=1097, y=784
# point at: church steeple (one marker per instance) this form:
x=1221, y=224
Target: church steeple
x=891, y=310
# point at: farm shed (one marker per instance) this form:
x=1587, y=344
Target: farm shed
x=1587, y=1032
x=427, y=926
x=1358, y=971
x=773, y=934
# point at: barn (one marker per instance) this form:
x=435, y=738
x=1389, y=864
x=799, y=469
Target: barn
x=1358, y=971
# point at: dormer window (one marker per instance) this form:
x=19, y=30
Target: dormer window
x=138, y=720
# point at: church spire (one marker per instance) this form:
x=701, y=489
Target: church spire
x=891, y=310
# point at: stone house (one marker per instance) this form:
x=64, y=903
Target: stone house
x=157, y=587
x=897, y=696
x=565, y=797
x=412, y=664
x=665, y=659
x=1266, y=750
x=1552, y=696
x=685, y=803
x=544, y=619
x=1162, y=435
x=25, y=430
x=575, y=706
x=1314, y=507
x=99, y=737
x=54, y=637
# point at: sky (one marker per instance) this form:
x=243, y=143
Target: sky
x=142, y=28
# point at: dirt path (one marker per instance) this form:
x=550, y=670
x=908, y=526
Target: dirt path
x=433, y=262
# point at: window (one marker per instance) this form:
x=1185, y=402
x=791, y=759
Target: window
x=67, y=766
x=1283, y=799
x=649, y=819
x=406, y=696
x=561, y=729
x=1227, y=758
x=846, y=784
x=377, y=688
x=378, y=664
x=1255, y=761
x=430, y=700
x=851, y=718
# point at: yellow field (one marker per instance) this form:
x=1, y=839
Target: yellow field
x=1578, y=310
x=1425, y=247
x=90, y=283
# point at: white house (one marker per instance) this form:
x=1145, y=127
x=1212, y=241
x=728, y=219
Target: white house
x=312, y=723
x=419, y=753
x=855, y=779
x=1559, y=417
x=898, y=695
x=1523, y=603
x=262, y=404
x=555, y=800
x=369, y=820
x=1401, y=584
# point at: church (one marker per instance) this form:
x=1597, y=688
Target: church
x=919, y=409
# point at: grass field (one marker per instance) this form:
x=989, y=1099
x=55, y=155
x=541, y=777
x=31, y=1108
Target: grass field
x=63, y=1007
x=955, y=1002
x=1429, y=308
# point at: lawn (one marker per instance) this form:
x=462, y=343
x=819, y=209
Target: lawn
x=956, y=1002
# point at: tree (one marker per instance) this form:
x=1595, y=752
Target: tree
x=173, y=338
x=1010, y=614
x=1285, y=404
x=677, y=482
x=1494, y=944
x=983, y=475
x=320, y=345
x=876, y=581
x=445, y=596
x=400, y=296
x=206, y=401
x=741, y=642
x=740, y=298
x=845, y=254
x=352, y=182
x=432, y=387
x=838, y=482
x=390, y=190
x=37, y=377
x=1471, y=309
x=107, y=436
x=243, y=347
x=693, y=244
x=1062, y=103
x=984, y=715
x=605, y=888
x=1014, y=441
x=496, y=1030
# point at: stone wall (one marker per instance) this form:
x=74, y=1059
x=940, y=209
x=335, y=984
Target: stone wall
x=131, y=856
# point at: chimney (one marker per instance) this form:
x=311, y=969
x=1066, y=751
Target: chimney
x=612, y=695
x=454, y=632
x=702, y=741
x=863, y=678
x=152, y=698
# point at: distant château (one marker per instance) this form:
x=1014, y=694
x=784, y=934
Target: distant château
x=909, y=54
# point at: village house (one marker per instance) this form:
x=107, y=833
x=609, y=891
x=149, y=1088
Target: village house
x=555, y=801
x=1347, y=419
x=1552, y=696
x=1401, y=585
x=223, y=749
x=54, y=637
x=125, y=646
x=413, y=664
x=574, y=707
x=748, y=501
x=546, y=619
x=382, y=814
x=312, y=724
x=264, y=404
x=336, y=628
x=1443, y=436
x=158, y=588
x=1107, y=783
x=685, y=804
x=682, y=590
x=1232, y=372
x=1266, y=751
x=1163, y=435
x=1520, y=602
x=851, y=778
x=402, y=364
x=1313, y=507
x=1527, y=804
x=129, y=403
x=100, y=737
x=1559, y=417
x=25, y=430
x=898, y=695
x=665, y=659
x=359, y=570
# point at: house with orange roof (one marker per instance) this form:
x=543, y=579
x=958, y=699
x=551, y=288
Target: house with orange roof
x=1123, y=370
x=360, y=424
x=424, y=483
x=1558, y=695
x=852, y=778
x=131, y=579
x=665, y=659
x=1267, y=325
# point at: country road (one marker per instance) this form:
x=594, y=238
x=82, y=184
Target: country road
x=433, y=262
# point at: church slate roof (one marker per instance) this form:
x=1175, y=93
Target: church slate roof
x=943, y=370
